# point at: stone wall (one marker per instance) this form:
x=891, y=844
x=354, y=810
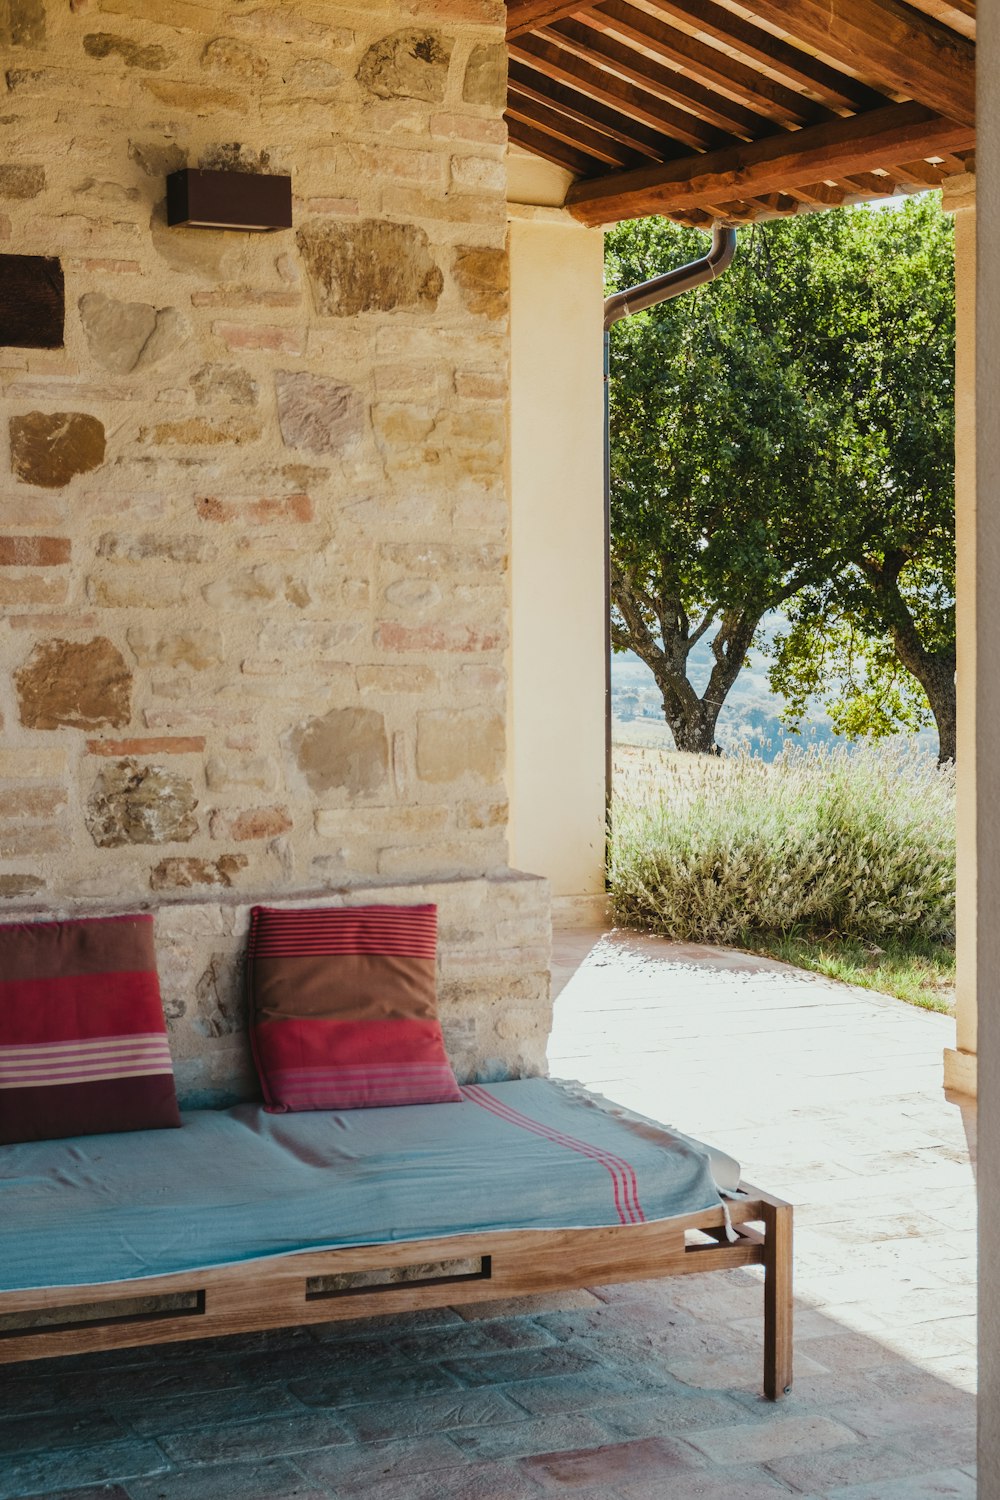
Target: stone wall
x=253, y=521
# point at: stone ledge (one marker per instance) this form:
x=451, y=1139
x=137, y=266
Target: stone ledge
x=960, y=1072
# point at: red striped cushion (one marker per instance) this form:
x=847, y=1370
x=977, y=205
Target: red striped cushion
x=83, y=1044
x=344, y=1010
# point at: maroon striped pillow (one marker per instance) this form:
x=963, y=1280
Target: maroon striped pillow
x=83, y=1044
x=343, y=1008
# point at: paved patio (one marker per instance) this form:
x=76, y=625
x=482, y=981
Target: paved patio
x=829, y=1096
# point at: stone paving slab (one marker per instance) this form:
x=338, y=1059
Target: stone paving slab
x=647, y=1391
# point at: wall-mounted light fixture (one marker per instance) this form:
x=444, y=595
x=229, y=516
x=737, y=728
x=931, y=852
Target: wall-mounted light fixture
x=32, y=302
x=228, y=200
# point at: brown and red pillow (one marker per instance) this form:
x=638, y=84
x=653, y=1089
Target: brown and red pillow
x=344, y=1008
x=83, y=1043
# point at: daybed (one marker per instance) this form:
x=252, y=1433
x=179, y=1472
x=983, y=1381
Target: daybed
x=246, y=1220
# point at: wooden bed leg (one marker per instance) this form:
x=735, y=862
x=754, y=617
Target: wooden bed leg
x=777, y=1300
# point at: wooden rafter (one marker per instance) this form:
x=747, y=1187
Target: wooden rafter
x=602, y=148
x=905, y=50
x=612, y=122
x=831, y=151
x=669, y=83
x=528, y=15
x=776, y=56
x=645, y=105
x=547, y=147
x=712, y=67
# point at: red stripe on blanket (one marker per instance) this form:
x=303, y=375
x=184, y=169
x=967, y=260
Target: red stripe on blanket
x=622, y=1173
x=404, y=930
x=298, y=1043
x=70, y=1007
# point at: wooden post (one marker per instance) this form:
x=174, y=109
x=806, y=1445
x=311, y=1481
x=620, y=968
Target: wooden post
x=777, y=1299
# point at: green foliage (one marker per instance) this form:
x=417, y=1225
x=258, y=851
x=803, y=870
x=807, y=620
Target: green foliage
x=820, y=841
x=786, y=433
x=866, y=690
x=915, y=970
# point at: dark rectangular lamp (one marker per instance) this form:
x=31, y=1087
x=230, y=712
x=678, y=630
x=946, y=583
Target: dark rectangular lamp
x=32, y=302
x=228, y=200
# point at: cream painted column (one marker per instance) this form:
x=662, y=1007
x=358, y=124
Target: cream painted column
x=988, y=737
x=959, y=198
x=557, y=689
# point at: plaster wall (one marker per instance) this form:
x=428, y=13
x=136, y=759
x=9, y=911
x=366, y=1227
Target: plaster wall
x=254, y=525
x=556, y=720
x=958, y=197
x=988, y=736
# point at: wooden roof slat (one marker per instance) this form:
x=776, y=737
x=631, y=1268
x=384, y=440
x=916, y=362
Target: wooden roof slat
x=611, y=122
x=921, y=174
x=529, y=15
x=581, y=137
x=713, y=67
x=832, y=150
x=553, y=62
x=667, y=83
x=782, y=60
x=960, y=15
x=540, y=144
x=901, y=48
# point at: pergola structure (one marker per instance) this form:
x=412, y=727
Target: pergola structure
x=705, y=110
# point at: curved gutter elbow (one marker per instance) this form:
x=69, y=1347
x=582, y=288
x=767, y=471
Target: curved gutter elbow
x=673, y=283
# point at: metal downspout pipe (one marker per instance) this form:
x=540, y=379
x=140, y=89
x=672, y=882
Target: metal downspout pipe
x=623, y=305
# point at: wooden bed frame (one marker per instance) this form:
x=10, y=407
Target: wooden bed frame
x=287, y=1291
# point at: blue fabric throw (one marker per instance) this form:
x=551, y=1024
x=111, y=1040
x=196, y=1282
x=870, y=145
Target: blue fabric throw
x=238, y=1185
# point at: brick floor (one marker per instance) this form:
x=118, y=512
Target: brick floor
x=827, y=1095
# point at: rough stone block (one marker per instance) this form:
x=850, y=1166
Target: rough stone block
x=483, y=278
x=185, y=874
x=19, y=180
x=254, y=823
x=51, y=448
x=346, y=749
x=370, y=266
x=455, y=743
x=408, y=64
x=124, y=336
x=74, y=684
x=195, y=647
x=485, y=79
x=103, y=44
x=137, y=804
x=316, y=413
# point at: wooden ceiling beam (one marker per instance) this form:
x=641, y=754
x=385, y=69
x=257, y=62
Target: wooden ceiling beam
x=783, y=60
x=611, y=122
x=553, y=62
x=581, y=137
x=540, y=144
x=712, y=67
x=832, y=150
x=528, y=15
x=667, y=83
x=901, y=48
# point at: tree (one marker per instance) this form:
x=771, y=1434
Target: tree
x=782, y=435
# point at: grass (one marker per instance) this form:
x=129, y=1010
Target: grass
x=918, y=972
x=836, y=860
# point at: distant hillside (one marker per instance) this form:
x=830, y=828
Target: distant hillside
x=749, y=715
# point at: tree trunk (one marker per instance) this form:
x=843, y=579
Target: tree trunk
x=660, y=633
x=692, y=720
x=934, y=670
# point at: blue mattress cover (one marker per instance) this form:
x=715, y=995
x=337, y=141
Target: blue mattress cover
x=239, y=1185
